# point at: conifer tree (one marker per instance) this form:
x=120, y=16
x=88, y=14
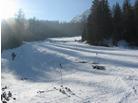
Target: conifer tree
x=128, y=22
x=107, y=20
x=117, y=23
x=92, y=20
x=99, y=26
x=136, y=21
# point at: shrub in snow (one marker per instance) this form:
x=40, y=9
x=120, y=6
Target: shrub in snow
x=98, y=67
x=122, y=44
x=6, y=95
x=108, y=42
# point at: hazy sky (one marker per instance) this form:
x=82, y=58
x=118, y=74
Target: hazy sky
x=62, y=10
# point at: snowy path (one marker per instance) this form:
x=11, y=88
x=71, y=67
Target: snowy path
x=39, y=62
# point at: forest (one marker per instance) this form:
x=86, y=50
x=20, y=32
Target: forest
x=106, y=24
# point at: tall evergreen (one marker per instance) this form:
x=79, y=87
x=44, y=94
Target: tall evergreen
x=136, y=21
x=92, y=20
x=84, y=28
x=107, y=20
x=128, y=22
x=117, y=23
x=99, y=26
x=20, y=31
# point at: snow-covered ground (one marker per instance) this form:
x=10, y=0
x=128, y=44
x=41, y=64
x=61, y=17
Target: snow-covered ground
x=36, y=73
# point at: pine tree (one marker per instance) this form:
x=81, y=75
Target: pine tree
x=107, y=20
x=136, y=21
x=20, y=26
x=99, y=26
x=91, y=35
x=128, y=22
x=84, y=28
x=117, y=23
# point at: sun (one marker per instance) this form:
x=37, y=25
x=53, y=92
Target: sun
x=7, y=8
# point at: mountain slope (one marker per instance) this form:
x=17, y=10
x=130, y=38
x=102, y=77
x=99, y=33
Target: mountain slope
x=82, y=17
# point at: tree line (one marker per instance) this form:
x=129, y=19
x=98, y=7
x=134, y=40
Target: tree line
x=114, y=24
x=18, y=29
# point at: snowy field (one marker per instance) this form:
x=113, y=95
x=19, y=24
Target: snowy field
x=40, y=68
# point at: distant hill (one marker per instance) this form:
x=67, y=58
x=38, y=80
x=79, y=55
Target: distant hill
x=81, y=17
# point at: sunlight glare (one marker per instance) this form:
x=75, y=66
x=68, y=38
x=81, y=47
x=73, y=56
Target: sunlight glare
x=7, y=8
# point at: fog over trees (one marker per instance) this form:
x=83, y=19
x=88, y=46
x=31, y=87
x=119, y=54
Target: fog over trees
x=19, y=29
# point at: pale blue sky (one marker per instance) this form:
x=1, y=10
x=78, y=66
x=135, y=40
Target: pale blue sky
x=62, y=10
